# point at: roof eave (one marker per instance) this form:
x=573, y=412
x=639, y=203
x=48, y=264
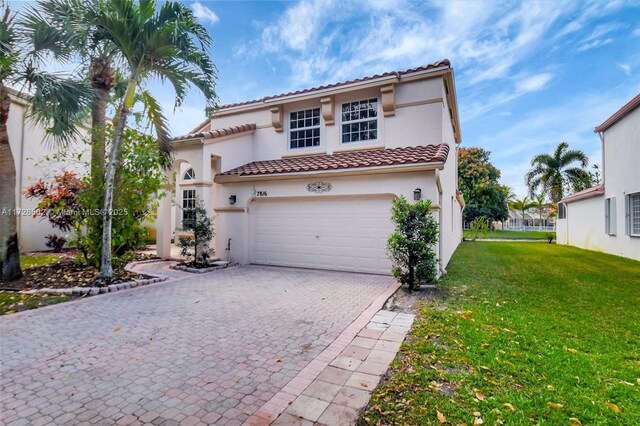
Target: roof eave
x=395, y=168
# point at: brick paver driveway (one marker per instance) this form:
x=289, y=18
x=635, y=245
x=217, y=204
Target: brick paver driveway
x=208, y=348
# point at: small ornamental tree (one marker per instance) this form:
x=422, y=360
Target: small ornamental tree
x=411, y=246
x=196, y=246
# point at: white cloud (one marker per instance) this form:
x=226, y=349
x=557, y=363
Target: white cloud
x=626, y=68
x=202, y=12
x=636, y=32
x=600, y=36
x=533, y=83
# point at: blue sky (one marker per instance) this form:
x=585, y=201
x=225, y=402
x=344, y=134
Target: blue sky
x=529, y=74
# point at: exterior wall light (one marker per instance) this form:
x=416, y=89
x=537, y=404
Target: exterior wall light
x=232, y=199
x=417, y=194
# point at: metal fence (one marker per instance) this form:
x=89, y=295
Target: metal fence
x=529, y=228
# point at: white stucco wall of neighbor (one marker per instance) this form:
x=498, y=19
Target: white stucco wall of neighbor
x=29, y=148
x=584, y=225
x=421, y=117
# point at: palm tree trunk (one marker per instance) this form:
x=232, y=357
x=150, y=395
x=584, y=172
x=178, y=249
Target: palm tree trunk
x=9, y=249
x=106, y=270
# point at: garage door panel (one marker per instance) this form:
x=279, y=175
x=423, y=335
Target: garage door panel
x=325, y=234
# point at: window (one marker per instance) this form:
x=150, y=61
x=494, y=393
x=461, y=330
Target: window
x=562, y=211
x=360, y=121
x=189, y=174
x=633, y=214
x=188, y=205
x=610, y=216
x=304, y=128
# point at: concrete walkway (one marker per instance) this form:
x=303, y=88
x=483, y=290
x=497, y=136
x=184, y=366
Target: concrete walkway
x=212, y=348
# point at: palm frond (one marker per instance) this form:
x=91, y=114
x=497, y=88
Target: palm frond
x=153, y=111
x=60, y=105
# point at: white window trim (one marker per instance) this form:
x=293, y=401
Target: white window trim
x=628, y=214
x=289, y=129
x=185, y=174
x=360, y=120
x=195, y=198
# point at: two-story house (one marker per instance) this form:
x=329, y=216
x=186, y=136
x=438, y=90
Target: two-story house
x=306, y=179
x=607, y=217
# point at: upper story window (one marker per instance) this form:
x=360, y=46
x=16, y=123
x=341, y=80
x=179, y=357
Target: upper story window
x=304, y=128
x=360, y=121
x=189, y=175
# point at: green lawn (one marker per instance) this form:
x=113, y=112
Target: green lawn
x=513, y=235
x=29, y=260
x=11, y=302
x=526, y=334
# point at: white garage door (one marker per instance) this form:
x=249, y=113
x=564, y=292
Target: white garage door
x=335, y=234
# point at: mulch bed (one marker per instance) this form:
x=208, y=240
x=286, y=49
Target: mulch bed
x=64, y=273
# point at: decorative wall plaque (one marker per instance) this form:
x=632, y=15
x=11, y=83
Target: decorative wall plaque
x=319, y=187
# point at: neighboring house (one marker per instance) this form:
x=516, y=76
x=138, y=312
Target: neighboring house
x=307, y=179
x=532, y=220
x=29, y=147
x=607, y=217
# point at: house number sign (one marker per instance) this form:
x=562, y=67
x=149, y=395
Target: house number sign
x=261, y=193
x=319, y=187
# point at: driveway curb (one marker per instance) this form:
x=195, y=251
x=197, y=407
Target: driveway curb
x=281, y=400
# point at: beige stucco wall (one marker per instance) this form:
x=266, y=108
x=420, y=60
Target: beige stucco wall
x=29, y=147
x=585, y=223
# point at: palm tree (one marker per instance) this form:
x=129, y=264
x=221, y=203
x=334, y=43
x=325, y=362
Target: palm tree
x=67, y=111
x=167, y=43
x=63, y=30
x=522, y=205
x=9, y=249
x=551, y=173
x=540, y=205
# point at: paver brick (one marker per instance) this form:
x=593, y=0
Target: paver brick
x=198, y=345
x=338, y=415
x=307, y=407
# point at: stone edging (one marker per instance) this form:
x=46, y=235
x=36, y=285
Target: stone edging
x=273, y=408
x=202, y=270
x=92, y=291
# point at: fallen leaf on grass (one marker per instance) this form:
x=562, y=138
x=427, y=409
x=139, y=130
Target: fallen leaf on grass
x=117, y=329
x=574, y=421
x=509, y=407
x=480, y=396
x=441, y=418
x=554, y=405
x=571, y=350
x=551, y=387
x=613, y=407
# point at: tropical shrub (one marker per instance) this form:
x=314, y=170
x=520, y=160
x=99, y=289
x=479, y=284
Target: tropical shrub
x=550, y=236
x=479, y=228
x=196, y=247
x=55, y=242
x=411, y=246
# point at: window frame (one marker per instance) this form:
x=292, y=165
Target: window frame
x=193, y=174
x=313, y=127
x=185, y=208
x=360, y=120
x=562, y=208
x=629, y=213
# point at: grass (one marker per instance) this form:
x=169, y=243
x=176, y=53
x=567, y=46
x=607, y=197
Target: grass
x=526, y=334
x=11, y=302
x=513, y=235
x=30, y=260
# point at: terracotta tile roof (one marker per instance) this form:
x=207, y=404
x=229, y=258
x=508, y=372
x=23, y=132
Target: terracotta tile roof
x=630, y=106
x=345, y=160
x=594, y=191
x=218, y=133
x=442, y=63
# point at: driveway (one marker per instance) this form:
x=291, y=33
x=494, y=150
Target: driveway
x=208, y=348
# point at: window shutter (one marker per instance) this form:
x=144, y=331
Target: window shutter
x=612, y=217
x=627, y=215
x=607, y=216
